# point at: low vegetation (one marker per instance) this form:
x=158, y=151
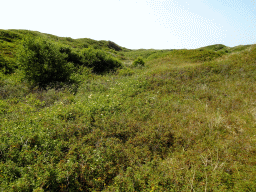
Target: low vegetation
x=183, y=122
x=138, y=62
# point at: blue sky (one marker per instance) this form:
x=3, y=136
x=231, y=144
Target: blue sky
x=135, y=24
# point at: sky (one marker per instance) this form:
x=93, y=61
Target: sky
x=136, y=24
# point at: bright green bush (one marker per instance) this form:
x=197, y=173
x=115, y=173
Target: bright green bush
x=42, y=62
x=99, y=61
x=138, y=62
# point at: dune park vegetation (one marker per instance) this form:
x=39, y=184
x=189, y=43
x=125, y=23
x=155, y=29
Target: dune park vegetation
x=86, y=115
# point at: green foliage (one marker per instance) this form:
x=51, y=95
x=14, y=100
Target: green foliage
x=205, y=55
x=144, y=53
x=239, y=48
x=69, y=39
x=125, y=72
x=114, y=46
x=159, y=54
x=10, y=39
x=186, y=122
x=12, y=86
x=138, y=62
x=42, y=62
x=99, y=61
x=9, y=36
x=216, y=47
x=6, y=66
x=7, y=51
x=72, y=54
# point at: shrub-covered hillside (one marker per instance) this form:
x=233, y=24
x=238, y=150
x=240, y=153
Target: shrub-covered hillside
x=10, y=39
x=125, y=120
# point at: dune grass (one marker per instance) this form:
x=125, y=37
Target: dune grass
x=183, y=122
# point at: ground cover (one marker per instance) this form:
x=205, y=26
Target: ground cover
x=183, y=122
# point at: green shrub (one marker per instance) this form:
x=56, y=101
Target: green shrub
x=138, y=62
x=99, y=61
x=72, y=55
x=42, y=62
x=114, y=46
x=8, y=35
x=2, y=62
x=69, y=39
x=85, y=45
x=125, y=72
x=5, y=65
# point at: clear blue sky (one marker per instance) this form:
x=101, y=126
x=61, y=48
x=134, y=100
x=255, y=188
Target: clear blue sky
x=158, y=24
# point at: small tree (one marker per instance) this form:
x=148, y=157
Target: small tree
x=42, y=62
x=138, y=62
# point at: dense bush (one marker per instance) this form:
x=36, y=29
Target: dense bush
x=114, y=46
x=72, y=55
x=99, y=61
x=138, y=62
x=42, y=62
